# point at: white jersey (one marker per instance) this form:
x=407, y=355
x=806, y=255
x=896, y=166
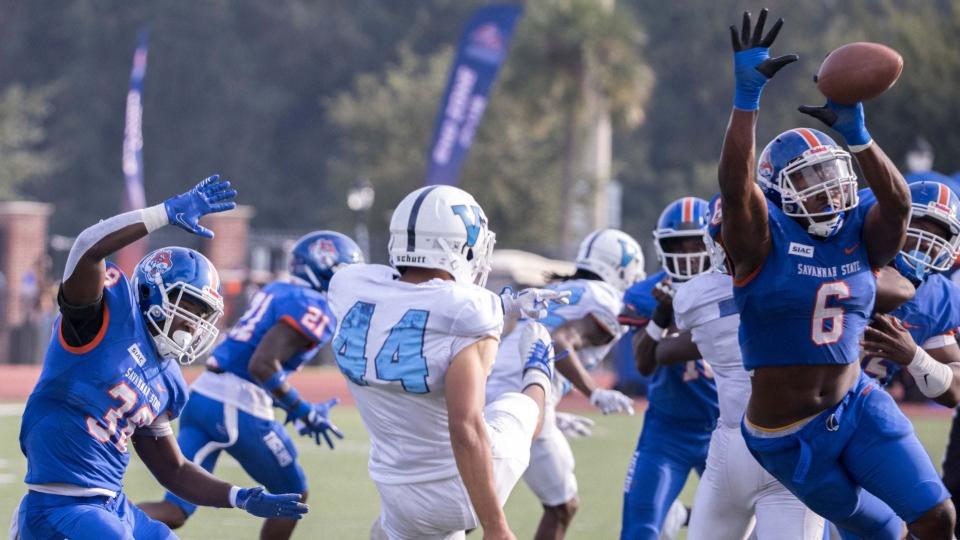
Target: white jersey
x=705, y=306
x=394, y=342
x=588, y=298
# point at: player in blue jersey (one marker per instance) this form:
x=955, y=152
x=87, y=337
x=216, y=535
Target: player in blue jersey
x=683, y=397
x=804, y=253
x=108, y=379
x=924, y=326
x=231, y=405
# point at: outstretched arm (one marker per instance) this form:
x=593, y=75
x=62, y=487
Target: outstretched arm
x=935, y=370
x=568, y=339
x=746, y=235
x=161, y=454
x=84, y=274
x=885, y=225
x=280, y=343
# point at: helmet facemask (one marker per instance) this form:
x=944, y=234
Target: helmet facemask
x=824, y=176
x=185, y=345
x=470, y=264
x=924, y=250
x=682, y=265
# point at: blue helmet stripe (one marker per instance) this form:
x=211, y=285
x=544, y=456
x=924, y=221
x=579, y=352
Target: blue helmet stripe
x=414, y=212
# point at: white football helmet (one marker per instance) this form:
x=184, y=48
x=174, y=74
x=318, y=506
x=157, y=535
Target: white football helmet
x=614, y=256
x=444, y=228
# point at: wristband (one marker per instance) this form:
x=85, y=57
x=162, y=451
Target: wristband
x=275, y=381
x=854, y=148
x=654, y=331
x=932, y=377
x=232, y=497
x=662, y=316
x=154, y=217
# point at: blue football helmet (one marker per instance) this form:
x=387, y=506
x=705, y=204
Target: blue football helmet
x=162, y=281
x=683, y=218
x=803, y=167
x=925, y=252
x=317, y=255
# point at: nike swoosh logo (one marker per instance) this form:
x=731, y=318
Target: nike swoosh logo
x=925, y=375
x=849, y=250
x=182, y=221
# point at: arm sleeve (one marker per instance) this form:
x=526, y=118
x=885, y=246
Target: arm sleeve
x=79, y=324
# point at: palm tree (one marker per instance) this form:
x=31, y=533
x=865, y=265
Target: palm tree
x=583, y=56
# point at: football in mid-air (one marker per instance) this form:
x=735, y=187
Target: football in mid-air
x=858, y=72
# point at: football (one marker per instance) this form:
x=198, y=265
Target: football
x=858, y=72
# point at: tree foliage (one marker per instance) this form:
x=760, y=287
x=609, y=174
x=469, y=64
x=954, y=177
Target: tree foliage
x=294, y=99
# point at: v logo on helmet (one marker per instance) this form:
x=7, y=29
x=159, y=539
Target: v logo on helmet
x=627, y=253
x=473, y=222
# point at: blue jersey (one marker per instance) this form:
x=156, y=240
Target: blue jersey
x=303, y=308
x=810, y=300
x=684, y=391
x=90, y=399
x=933, y=311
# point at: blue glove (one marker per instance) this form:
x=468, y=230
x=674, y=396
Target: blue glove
x=753, y=66
x=262, y=504
x=314, y=419
x=207, y=197
x=847, y=120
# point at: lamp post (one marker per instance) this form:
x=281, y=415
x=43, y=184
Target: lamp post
x=360, y=200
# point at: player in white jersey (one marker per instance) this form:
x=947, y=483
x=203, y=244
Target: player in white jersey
x=416, y=342
x=583, y=331
x=734, y=487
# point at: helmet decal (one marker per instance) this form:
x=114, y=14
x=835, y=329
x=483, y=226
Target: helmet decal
x=627, y=252
x=473, y=224
x=158, y=264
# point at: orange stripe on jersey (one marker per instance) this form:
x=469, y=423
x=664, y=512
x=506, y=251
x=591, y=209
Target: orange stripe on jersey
x=687, y=205
x=293, y=324
x=83, y=349
x=809, y=137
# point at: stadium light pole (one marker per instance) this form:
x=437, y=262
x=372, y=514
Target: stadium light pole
x=360, y=200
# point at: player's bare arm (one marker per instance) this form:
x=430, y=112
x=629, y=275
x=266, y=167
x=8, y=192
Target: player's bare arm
x=645, y=343
x=893, y=290
x=279, y=343
x=465, y=381
x=163, y=458
x=745, y=232
x=85, y=270
x=677, y=348
x=885, y=225
x=567, y=340
x=935, y=371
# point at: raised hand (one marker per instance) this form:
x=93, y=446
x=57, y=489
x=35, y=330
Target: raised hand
x=209, y=196
x=847, y=120
x=314, y=419
x=532, y=303
x=753, y=66
x=258, y=502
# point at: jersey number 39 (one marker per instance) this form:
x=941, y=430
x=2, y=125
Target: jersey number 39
x=401, y=356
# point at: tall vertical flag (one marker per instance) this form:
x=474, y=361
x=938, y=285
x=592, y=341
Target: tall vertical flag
x=134, y=197
x=482, y=50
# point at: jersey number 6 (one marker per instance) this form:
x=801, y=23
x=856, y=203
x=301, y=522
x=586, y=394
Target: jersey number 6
x=827, y=325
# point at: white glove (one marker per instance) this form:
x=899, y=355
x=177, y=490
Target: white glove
x=611, y=401
x=531, y=302
x=573, y=426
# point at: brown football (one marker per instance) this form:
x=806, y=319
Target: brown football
x=858, y=72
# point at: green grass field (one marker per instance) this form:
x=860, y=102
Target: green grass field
x=344, y=501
